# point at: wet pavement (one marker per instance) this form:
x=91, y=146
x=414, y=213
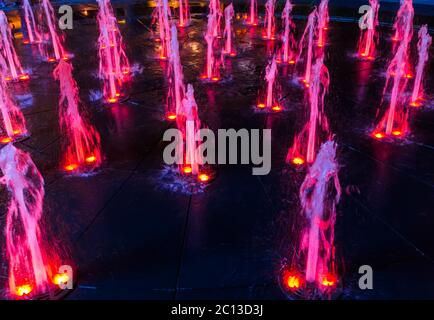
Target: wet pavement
x=132, y=238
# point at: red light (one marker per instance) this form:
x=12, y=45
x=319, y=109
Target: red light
x=396, y=133
x=415, y=104
x=6, y=140
x=378, y=135
x=261, y=105
x=187, y=169
x=233, y=54
x=91, y=159
x=7, y=78
x=298, y=161
x=292, y=280
x=276, y=108
x=291, y=61
x=409, y=76
x=60, y=278
x=215, y=79
x=24, y=76
x=17, y=131
x=203, y=177
x=394, y=39
x=112, y=100
x=328, y=280
x=26, y=41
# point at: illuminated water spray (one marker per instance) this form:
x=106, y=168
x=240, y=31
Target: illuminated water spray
x=184, y=13
x=53, y=49
x=164, y=16
x=114, y=67
x=31, y=26
x=306, y=52
x=176, y=79
x=368, y=35
x=188, y=123
x=31, y=261
x=269, y=22
x=229, y=14
x=315, y=257
x=269, y=100
x=316, y=129
x=12, y=125
x=253, y=13
x=7, y=50
x=215, y=10
x=286, y=52
x=212, y=65
x=404, y=21
x=81, y=144
x=395, y=121
x=323, y=21
x=423, y=46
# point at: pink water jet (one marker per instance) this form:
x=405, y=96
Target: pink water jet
x=269, y=22
x=323, y=22
x=34, y=35
x=306, y=52
x=52, y=49
x=228, y=34
x=253, y=13
x=423, y=46
x=188, y=123
x=395, y=121
x=212, y=65
x=81, y=150
x=369, y=36
x=215, y=10
x=403, y=25
x=12, y=122
x=316, y=130
x=269, y=100
x=114, y=67
x=319, y=194
x=287, y=50
x=32, y=262
x=176, y=92
x=184, y=13
x=7, y=50
x=164, y=17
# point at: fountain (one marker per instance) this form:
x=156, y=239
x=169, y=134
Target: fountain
x=323, y=21
x=13, y=124
x=404, y=21
x=212, y=66
x=313, y=273
x=32, y=259
x=176, y=79
x=114, y=67
x=33, y=33
x=253, y=16
x=270, y=99
x=395, y=121
x=184, y=13
x=7, y=50
x=188, y=123
x=369, y=36
x=215, y=9
x=286, y=52
x=306, y=46
x=164, y=16
x=81, y=144
x=56, y=51
x=423, y=46
x=269, y=23
x=229, y=14
x=316, y=129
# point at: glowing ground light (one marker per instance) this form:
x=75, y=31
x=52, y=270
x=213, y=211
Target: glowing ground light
x=203, y=177
x=26, y=41
x=328, y=280
x=6, y=140
x=51, y=59
x=292, y=281
x=415, y=104
x=291, y=62
x=90, y=159
x=171, y=116
x=298, y=161
x=276, y=108
x=71, y=167
x=60, y=278
x=187, y=169
x=112, y=100
x=396, y=133
x=409, y=76
x=24, y=77
x=215, y=79
x=8, y=78
x=378, y=135
x=17, y=131
x=23, y=290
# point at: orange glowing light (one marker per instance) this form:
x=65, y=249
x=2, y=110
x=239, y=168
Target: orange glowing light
x=293, y=282
x=91, y=159
x=6, y=140
x=329, y=280
x=215, y=78
x=26, y=41
x=276, y=108
x=60, y=278
x=291, y=61
x=415, y=104
x=24, y=77
x=171, y=116
x=203, y=177
x=233, y=54
x=7, y=78
x=65, y=58
x=126, y=71
x=379, y=135
x=187, y=169
x=51, y=59
x=163, y=57
x=396, y=133
x=25, y=289
x=71, y=167
x=320, y=45
x=112, y=100
x=409, y=76
x=261, y=105
x=298, y=161
x=16, y=131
